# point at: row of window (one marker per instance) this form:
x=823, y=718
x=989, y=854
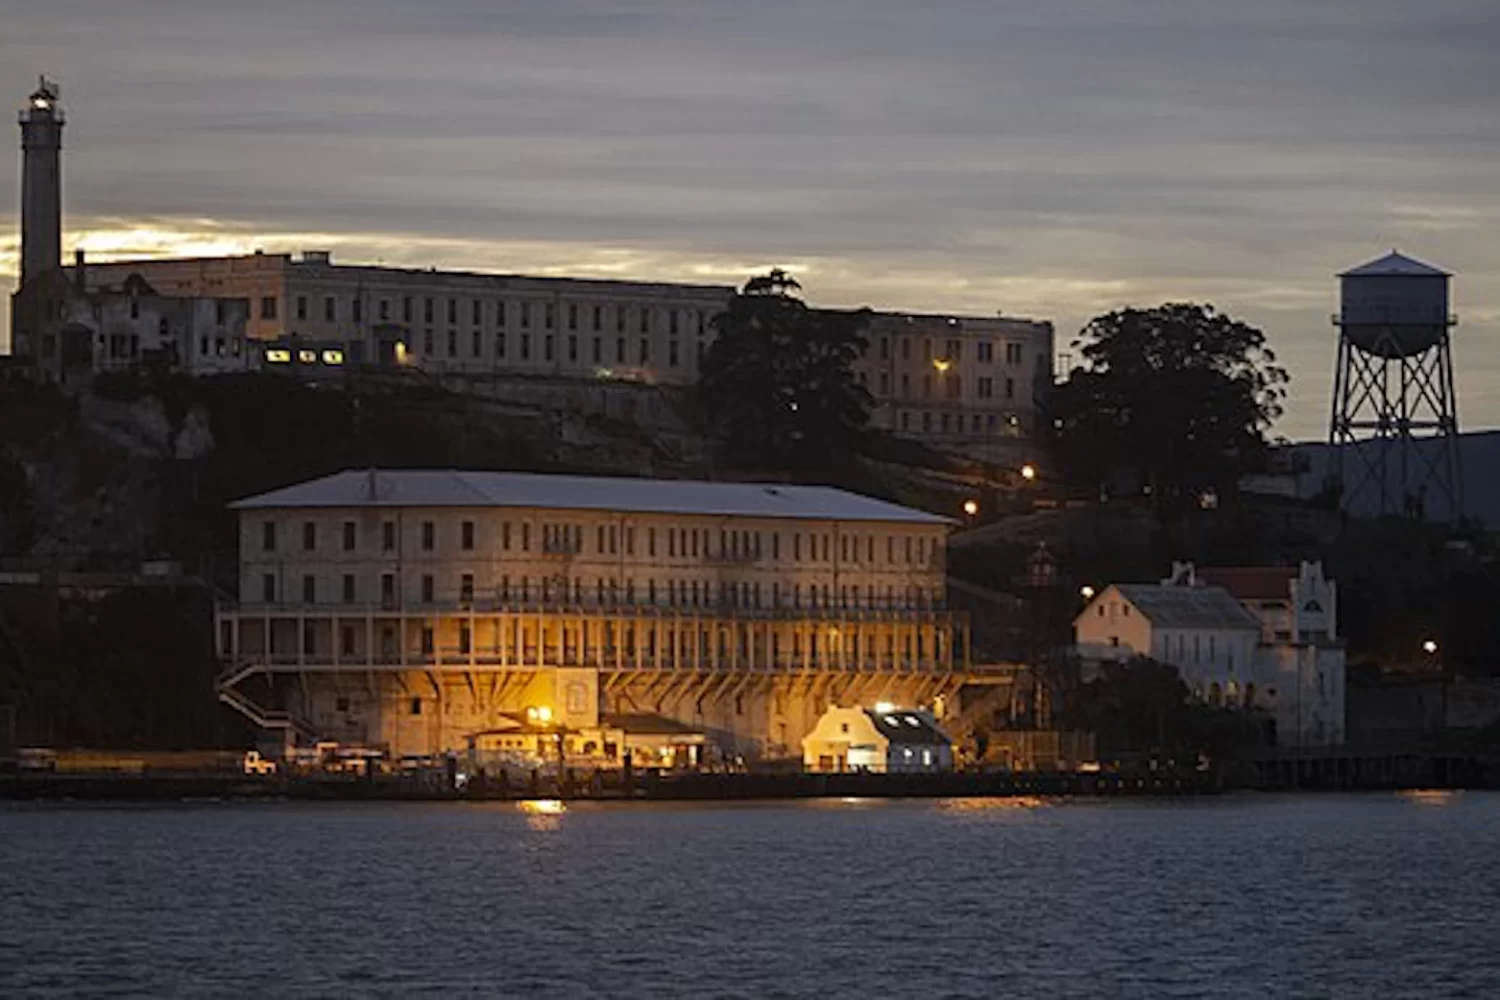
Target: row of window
x=612, y=539
x=497, y=312
x=952, y=386
x=958, y=423
x=598, y=352
x=606, y=592
x=953, y=351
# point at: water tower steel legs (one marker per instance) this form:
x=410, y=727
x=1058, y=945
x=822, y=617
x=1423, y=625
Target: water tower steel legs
x=1391, y=407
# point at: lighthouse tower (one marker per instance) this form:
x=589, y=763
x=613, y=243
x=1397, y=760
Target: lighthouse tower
x=41, y=183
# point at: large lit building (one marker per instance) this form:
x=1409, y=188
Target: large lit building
x=428, y=611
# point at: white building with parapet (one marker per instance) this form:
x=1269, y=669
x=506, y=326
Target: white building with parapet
x=1247, y=636
x=418, y=610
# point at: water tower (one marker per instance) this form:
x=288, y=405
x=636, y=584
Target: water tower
x=1394, y=432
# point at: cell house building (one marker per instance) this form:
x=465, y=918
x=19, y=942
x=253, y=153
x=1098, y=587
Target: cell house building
x=428, y=611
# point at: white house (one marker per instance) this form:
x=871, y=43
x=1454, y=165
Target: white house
x=1300, y=660
x=878, y=740
x=1202, y=631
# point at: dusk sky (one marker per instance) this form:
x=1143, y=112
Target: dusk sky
x=1048, y=159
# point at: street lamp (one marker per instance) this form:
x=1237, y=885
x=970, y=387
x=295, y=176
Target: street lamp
x=971, y=507
x=1087, y=591
x=1430, y=647
x=1028, y=472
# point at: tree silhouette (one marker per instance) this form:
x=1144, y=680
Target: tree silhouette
x=1180, y=397
x=777, y=387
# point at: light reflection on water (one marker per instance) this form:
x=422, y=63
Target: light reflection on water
x=1253, y=896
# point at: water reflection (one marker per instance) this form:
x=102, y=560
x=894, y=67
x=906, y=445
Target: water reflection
x=543, y=814
x=1431, y=796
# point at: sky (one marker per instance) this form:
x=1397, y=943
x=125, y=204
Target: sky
x=1054, y=160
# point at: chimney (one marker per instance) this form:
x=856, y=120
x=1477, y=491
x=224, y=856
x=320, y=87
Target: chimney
x=80, y=272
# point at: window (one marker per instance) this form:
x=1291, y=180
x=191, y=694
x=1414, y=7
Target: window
x=598, y=319
x=349, y=536
x=1013, y=353
x=429, y=536
x=549, y=315
x=356, y=309
x=466, y=531
x=268, y=588
x=525, y=347
x=452, y=310
x=525, y=315
x=301, y=308
x=986, y=388
x=268, y=536
x=309, y=536
x=572, y=348
x=477, y=347
x=388, y=536
x=572, y=315
x=309, y=589
x=619, y=350
x=268, y=307
x=330, y=309
x=672, y=354
x=645, y=320
x=500, y=313
x=619, y=319
x=547, y=347
x=1010, y=388
x=342, y=704
x=478, y=312
x=427, y=310
x=452, y=343
x=984, y=351
x=645, y=350
x=348, y=590
x=500, y=345
x=406, y=309
x=598, y=350
x=416, y=703
x=466, y=588
x=428, y=593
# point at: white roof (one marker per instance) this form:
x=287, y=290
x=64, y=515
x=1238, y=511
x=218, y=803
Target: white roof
x=455, y=488
x=1395, y=263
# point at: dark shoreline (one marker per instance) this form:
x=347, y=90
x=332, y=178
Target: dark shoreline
x=1390, y=772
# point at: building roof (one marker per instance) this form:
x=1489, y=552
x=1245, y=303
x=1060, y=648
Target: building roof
x=1251, y=583
x=1170, y=606
x=1396, y=264
x=906, y=726
x=455, y=488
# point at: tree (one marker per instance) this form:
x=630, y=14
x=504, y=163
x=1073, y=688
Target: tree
x=1180, y=397
x=777, y=386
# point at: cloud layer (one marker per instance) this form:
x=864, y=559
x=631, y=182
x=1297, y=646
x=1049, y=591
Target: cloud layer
x=1053, y=159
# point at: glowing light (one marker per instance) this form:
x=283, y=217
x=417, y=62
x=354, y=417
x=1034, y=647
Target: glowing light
x=308, y=357
x=971, y=507
x=543, y=807
x=1430, y=646
x=539, y=714
x=278, y=356
x=402, y=357
x=884, y=708
x=1028, y=472
x=941, y=364
x=41, y=104
x=333, y=357
x=1087, y=592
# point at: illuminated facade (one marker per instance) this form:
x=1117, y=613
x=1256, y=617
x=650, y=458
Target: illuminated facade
x=425, y=611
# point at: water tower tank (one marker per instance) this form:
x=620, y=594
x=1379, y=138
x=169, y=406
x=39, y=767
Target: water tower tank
x=1394, y=307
